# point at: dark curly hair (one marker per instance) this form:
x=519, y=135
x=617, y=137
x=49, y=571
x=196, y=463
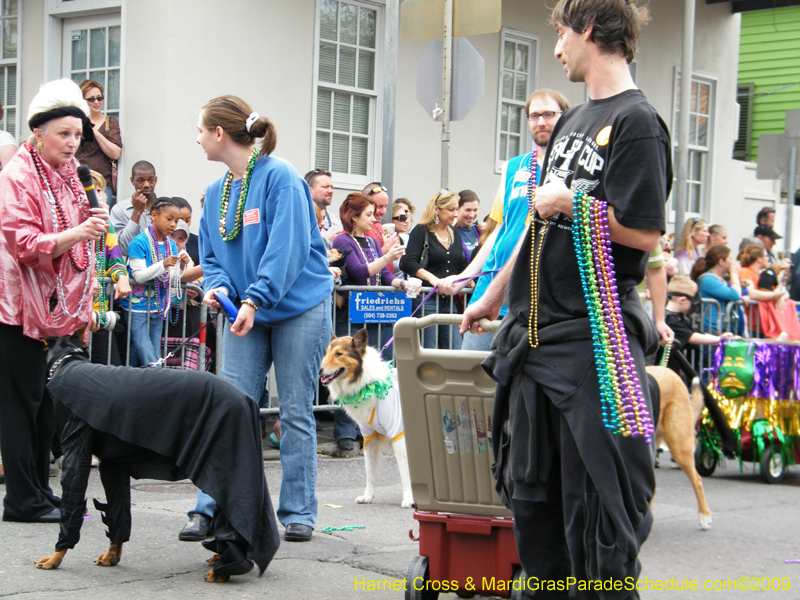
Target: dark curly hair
x=615, y=23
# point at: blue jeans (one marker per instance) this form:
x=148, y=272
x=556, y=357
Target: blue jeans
x=439, y=336
x=296, y=346
x=145, y=345
x=473, y=341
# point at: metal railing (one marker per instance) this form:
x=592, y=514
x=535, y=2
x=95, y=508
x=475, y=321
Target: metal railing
x=713, y=318
x=165, y=332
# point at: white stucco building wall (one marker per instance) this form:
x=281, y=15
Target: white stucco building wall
x=177, y=54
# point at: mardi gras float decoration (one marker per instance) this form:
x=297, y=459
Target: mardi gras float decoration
x=756, y=387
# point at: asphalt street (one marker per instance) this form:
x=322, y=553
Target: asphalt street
x=755, y=530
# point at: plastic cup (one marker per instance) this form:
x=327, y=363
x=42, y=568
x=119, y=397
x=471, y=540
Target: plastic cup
x=388, y=229
x=412, y=287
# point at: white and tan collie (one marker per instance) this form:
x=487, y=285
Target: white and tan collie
x=363, y=384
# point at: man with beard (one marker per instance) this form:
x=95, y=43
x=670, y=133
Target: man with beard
x=510, y=208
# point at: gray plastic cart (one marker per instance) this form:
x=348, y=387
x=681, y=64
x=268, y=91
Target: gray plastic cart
x=466, y=535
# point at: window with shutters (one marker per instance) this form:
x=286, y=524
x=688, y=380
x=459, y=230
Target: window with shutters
x=517, y=82
x=9, y=64
x=701, y=130
x=744, y=98
x=346, y=139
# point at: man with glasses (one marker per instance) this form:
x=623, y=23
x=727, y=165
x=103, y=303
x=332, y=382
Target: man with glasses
x=321, y=186
x=132, y=216
x=510, y=208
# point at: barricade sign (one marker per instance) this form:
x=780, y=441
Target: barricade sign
x=378, y=307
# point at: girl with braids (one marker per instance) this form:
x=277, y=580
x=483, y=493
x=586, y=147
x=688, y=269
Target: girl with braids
x=261, y=246
x=152, y=255
x=47, y=268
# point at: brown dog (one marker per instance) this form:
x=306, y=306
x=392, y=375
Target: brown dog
x=676, y=425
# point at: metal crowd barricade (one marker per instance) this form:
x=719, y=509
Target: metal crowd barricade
x=738, y=318
x=165, y=333
x=270, y=407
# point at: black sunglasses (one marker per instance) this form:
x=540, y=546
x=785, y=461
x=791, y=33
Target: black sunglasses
x=94, y=99
x=402, y=218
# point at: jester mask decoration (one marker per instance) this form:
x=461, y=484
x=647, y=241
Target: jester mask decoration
x=737, y=370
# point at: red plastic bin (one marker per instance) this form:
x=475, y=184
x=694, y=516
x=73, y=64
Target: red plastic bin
x=468, y=549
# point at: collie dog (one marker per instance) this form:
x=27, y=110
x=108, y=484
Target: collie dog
x=677, y=417
x=366, y=388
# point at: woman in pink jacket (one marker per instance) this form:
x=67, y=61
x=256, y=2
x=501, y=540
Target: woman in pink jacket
x=46, y=283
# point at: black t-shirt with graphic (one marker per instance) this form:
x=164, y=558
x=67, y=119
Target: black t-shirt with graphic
x=616, y=149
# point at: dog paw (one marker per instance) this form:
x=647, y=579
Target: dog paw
x=407, y=503
x=50, y=562
x=212, y=562
x=110, y=558
x=364, y=499
x=705, y=522
x=211, y=577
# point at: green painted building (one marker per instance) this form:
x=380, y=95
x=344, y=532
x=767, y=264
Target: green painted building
x=769, y=75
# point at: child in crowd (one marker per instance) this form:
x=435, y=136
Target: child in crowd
x=682, y=301
x=180, y=235
x=151, y=258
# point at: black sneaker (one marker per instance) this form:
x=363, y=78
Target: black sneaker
x=345, y=444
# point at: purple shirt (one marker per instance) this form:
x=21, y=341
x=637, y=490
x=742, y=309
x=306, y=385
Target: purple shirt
x=355, y=264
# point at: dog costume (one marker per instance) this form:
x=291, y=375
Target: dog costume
x=167, y=425
x=386, y=417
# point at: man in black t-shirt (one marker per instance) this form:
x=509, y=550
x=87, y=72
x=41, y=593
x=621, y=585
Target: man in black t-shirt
x=579, y=494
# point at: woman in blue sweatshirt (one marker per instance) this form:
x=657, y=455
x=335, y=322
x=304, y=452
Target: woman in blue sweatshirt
x=260, y=245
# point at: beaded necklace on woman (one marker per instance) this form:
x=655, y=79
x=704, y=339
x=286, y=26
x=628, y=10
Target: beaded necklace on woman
x=60, y=224
x=163, y=299
x=374, y=280
x=226, y=192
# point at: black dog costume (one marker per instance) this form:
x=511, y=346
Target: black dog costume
x=168, y=425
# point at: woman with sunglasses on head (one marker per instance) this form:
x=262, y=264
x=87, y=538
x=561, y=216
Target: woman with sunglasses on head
x=435, y=252
x=694, y=236
x=106, y=147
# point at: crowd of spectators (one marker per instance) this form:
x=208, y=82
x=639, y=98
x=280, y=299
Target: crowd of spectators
x=750, y=275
